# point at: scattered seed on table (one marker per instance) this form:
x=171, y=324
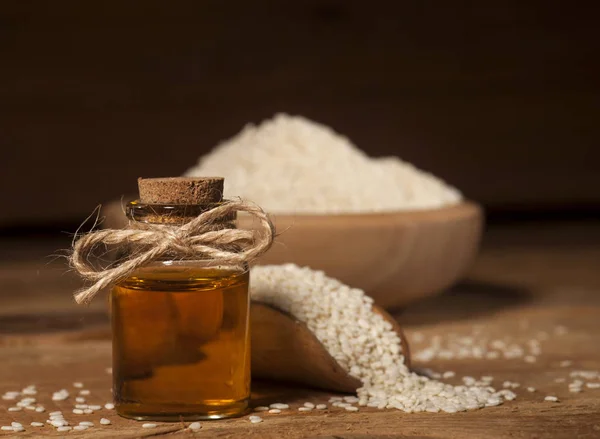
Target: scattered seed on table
x=88, y=411
x=80, y=427
x=109, y=406
x=255, y=419
x=593, y=385
x=40, y=409
x=95, y=407
x=37, y=424
x=80, y=399
x=87, y=423
x=84, y=392
x=78, y=385
x=551, y=398
x=81, y=406
x=280, y=406
x=58, y=423
x=321, y=406
x=6, y=428
x=105, y=421
x=304, y=409
x=149, y=425
x=195, y=426
x=335, y=398
x=275, y=411
x=351, y=399
x=55, y=413
x=351, y=408
x=29, y=407
x=310, y=405
x=448, y=374
x=64, y=428
x=261, y=408
x=531, y=389
x=15, y=409
x=78, y=411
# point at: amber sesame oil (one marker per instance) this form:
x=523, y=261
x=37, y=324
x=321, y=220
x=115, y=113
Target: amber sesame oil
x=181, y=342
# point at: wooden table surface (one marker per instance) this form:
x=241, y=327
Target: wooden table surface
x=529, y=280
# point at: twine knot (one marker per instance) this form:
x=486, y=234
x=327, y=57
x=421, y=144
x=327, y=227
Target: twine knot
x=205, y=236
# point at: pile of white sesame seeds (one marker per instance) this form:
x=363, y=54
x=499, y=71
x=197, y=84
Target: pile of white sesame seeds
x=317, y=171
x=363, y=343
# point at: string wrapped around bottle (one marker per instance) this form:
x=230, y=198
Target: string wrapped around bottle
x=205, y=236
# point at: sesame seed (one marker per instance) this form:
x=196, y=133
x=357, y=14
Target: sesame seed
x=321, y=407
x=95, y=407
x=58, y=423
x=55, y=413
x=78, y=411
x=87, y=423
x=78, y=385
x=195, y=426
x=29, y=407
x=275, y=411
x=80, y=399
x=84, y=392
x=280, y=406
x=16, y=425
x=531, y=389
x=304, y=409
x=109, y=406
x=593, y=385
x=256, y=420
x=40, y=409
x=81, y=406
x=64, y=428
x=105, y=421
x=15, y=409
x=448, y=374
x=351, y=409
x=80, y=427
x=261, y=408
x=310, y=405
x=551, y=398
x=88, y=411
x=6, y=428
x=37, y=424
x=149, y=425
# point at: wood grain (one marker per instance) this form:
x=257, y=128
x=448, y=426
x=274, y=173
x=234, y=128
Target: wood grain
x=525, y=280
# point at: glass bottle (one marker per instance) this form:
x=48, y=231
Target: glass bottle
x=181, y=339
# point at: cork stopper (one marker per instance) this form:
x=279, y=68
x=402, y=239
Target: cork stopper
x=181, y=190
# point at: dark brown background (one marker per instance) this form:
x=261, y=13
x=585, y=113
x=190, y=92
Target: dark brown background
x=499, y=98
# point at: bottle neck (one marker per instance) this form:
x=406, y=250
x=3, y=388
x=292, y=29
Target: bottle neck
x=173, y=214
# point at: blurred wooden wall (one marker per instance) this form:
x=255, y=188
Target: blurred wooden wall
x=500, y=98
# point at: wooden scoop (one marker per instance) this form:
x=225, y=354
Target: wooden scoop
x=284, y=349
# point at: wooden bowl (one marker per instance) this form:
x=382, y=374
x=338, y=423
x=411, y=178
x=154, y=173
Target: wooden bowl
x=395, y=257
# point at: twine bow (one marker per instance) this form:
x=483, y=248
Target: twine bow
x=201, y=237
